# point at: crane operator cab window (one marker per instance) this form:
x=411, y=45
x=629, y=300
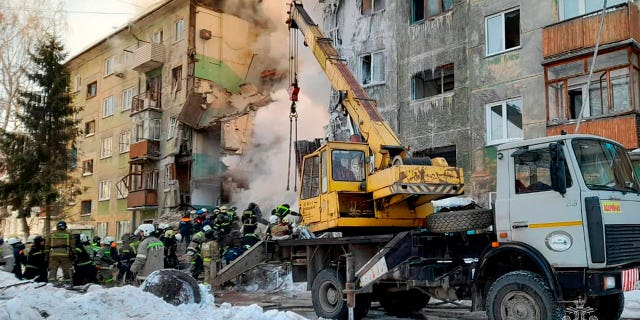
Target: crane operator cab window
x=533, y=170
x=347, y=165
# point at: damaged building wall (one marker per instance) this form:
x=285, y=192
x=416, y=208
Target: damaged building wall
x=452, y=42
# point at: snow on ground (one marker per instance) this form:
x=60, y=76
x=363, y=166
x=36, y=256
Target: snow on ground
x=33, y=301
x=631, y=305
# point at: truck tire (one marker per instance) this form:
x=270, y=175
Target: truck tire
x=172, y=286
x=329, y=301
x=607, y=307
x=522, y=295
x=457, y=221
x=403, y=302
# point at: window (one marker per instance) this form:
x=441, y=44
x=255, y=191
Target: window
x=149, y=129
x=101, y=229
x=78, y=83
x=417, y=10
x=347, y=165
x=433, y=8
x=432, y=82
x=122, y=190
x=173, y=123
x=533, y=171
x=85, y=207
x=156, y=125
x=179, y=30
x=572, y=8
x=176, y=79
x=87, y=167
x=169, y=174
x=108, y=106
x=122, y=228
x=604, y=165
x=502, y=32
x=151, y=179
x=92, y=89
x=156, y=37
x=504, y=121
x=372, y=68
x=125, y=141
x=127, y=98
x=104, y=191
x=105, y=148
x=310, y=178
x=370, y=6
x=89, y=128
x=109, y=63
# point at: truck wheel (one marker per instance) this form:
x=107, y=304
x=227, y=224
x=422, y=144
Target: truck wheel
x=329, y=301
x=173, y=286
x=457, y=221
x=522, y=295
x=607, y=307
x=403, y=302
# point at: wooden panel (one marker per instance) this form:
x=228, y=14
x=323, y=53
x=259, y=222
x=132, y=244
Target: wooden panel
x=622, y=129
x=616, y=28
x=562, y=37
x=144, y=148
x=142, y=198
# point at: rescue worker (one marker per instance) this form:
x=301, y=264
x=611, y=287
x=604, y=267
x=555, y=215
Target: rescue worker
x=170, y=247
x=126, y=258
x=210, y=252
x=105, y=259
x=96, y=245
x=280, y=229
x=36, y=264
x=84, y=268
x=201, y=216
x=150, y=253
x=249, y=227
x=284, y=210
x=193, y=250
x=19, y=257
x=6, y=255
x=185, y=228
x=60, y=248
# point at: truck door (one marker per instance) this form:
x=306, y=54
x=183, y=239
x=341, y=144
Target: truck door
x=310, y=189
x=541, y=217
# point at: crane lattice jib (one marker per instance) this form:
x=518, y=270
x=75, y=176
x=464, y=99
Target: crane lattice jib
x=363, y=110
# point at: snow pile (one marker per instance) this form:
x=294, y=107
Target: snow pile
x=34, y=301
x=631, y=305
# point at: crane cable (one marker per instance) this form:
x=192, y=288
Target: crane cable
x=294, y=89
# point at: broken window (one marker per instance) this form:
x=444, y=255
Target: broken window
x=173, y=124
x=370, y=6
x=104, y=190
x=85, y=207
x=504, y=121
x=122, y=190
x=156, y=37
x=572, y=8
x=417, y=10
x=372, y=68
x=89, y=128
x=502, y=32
x=92, y=89
x=432, y=82
x=87, y=167
x=611, y=90
x=176, y=79
x=438, y=7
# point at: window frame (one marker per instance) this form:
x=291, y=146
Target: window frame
x=176, y=79
x=178, y=29
x=108, y=106
x=78, y=83
x=442, y=70
x=82, y=207
x=173, y=126
x=125, y=146
x=102, y=229
x=441, y=11
x=121, y=190
x=582, y=8
x=503, y=104
x=372, y=5
x=106, y=147
x=87, y=167
x=109, y=66
x=122, y=227
x=90, y=85
x=157, y=37
x=104, y=190
x=502, y=33
x=127, y=102
x=87, y=125
x=372, y=70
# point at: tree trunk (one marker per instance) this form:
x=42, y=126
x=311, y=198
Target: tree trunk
x=25, y=227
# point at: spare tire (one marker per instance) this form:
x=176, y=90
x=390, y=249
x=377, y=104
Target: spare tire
x=457, y=221
x=172, y=286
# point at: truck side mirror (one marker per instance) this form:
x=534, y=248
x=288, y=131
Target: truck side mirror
x=558, y=168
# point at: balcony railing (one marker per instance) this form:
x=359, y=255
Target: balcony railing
x=620, y=23
x=146, y=100
x=148, y=57
x=142, y=198
x=144, y=149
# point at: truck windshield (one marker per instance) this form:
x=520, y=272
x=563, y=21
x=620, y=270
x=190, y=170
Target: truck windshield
x=605, y=166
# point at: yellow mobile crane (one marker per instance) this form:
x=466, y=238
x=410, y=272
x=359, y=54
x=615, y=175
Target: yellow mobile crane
x=369, y=184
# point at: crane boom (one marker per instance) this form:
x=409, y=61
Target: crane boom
x=363, y=110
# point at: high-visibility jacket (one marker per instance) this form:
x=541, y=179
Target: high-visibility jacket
x=60, y=243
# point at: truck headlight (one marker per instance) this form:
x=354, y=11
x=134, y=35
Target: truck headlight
x=559, y=241
x=609, y=282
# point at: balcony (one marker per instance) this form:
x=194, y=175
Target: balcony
x=142, y=198
x=621, y=128
x=150, y=100
x=148, y=57
x=144, y=150
x=620, y=23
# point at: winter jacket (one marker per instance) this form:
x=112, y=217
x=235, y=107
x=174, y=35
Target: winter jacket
x=60, y=243
x=150, y=257
x=19, y=259
x=185, y=228
x=36, y=264
x=84, y=255
x=6, y=256
x=106, y=256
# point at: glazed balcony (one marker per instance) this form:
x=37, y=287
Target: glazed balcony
x=142, y=198
x=579, y=33
x=150, y=100
x=144, y=150
x=148, y=57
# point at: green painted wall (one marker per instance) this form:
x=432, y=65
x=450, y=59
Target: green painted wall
x=103, y=207
x=218, y=72
x=206, y=165
x=122, y=205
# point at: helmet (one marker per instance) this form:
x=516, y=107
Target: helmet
x=31, y=238
x=96, y=239
x=216, y=210
x=206, y=228
x=168, y=233
x=163, y=226
x=39, y=239
x=202, y=211
x=178, y=237
x=84, y=237
x=147, y=229
x=222, y=218
x=108, y=240
x=223, y=208
x=125, y=237
x=273, y=219
x=13, y=241
x=61, y=225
